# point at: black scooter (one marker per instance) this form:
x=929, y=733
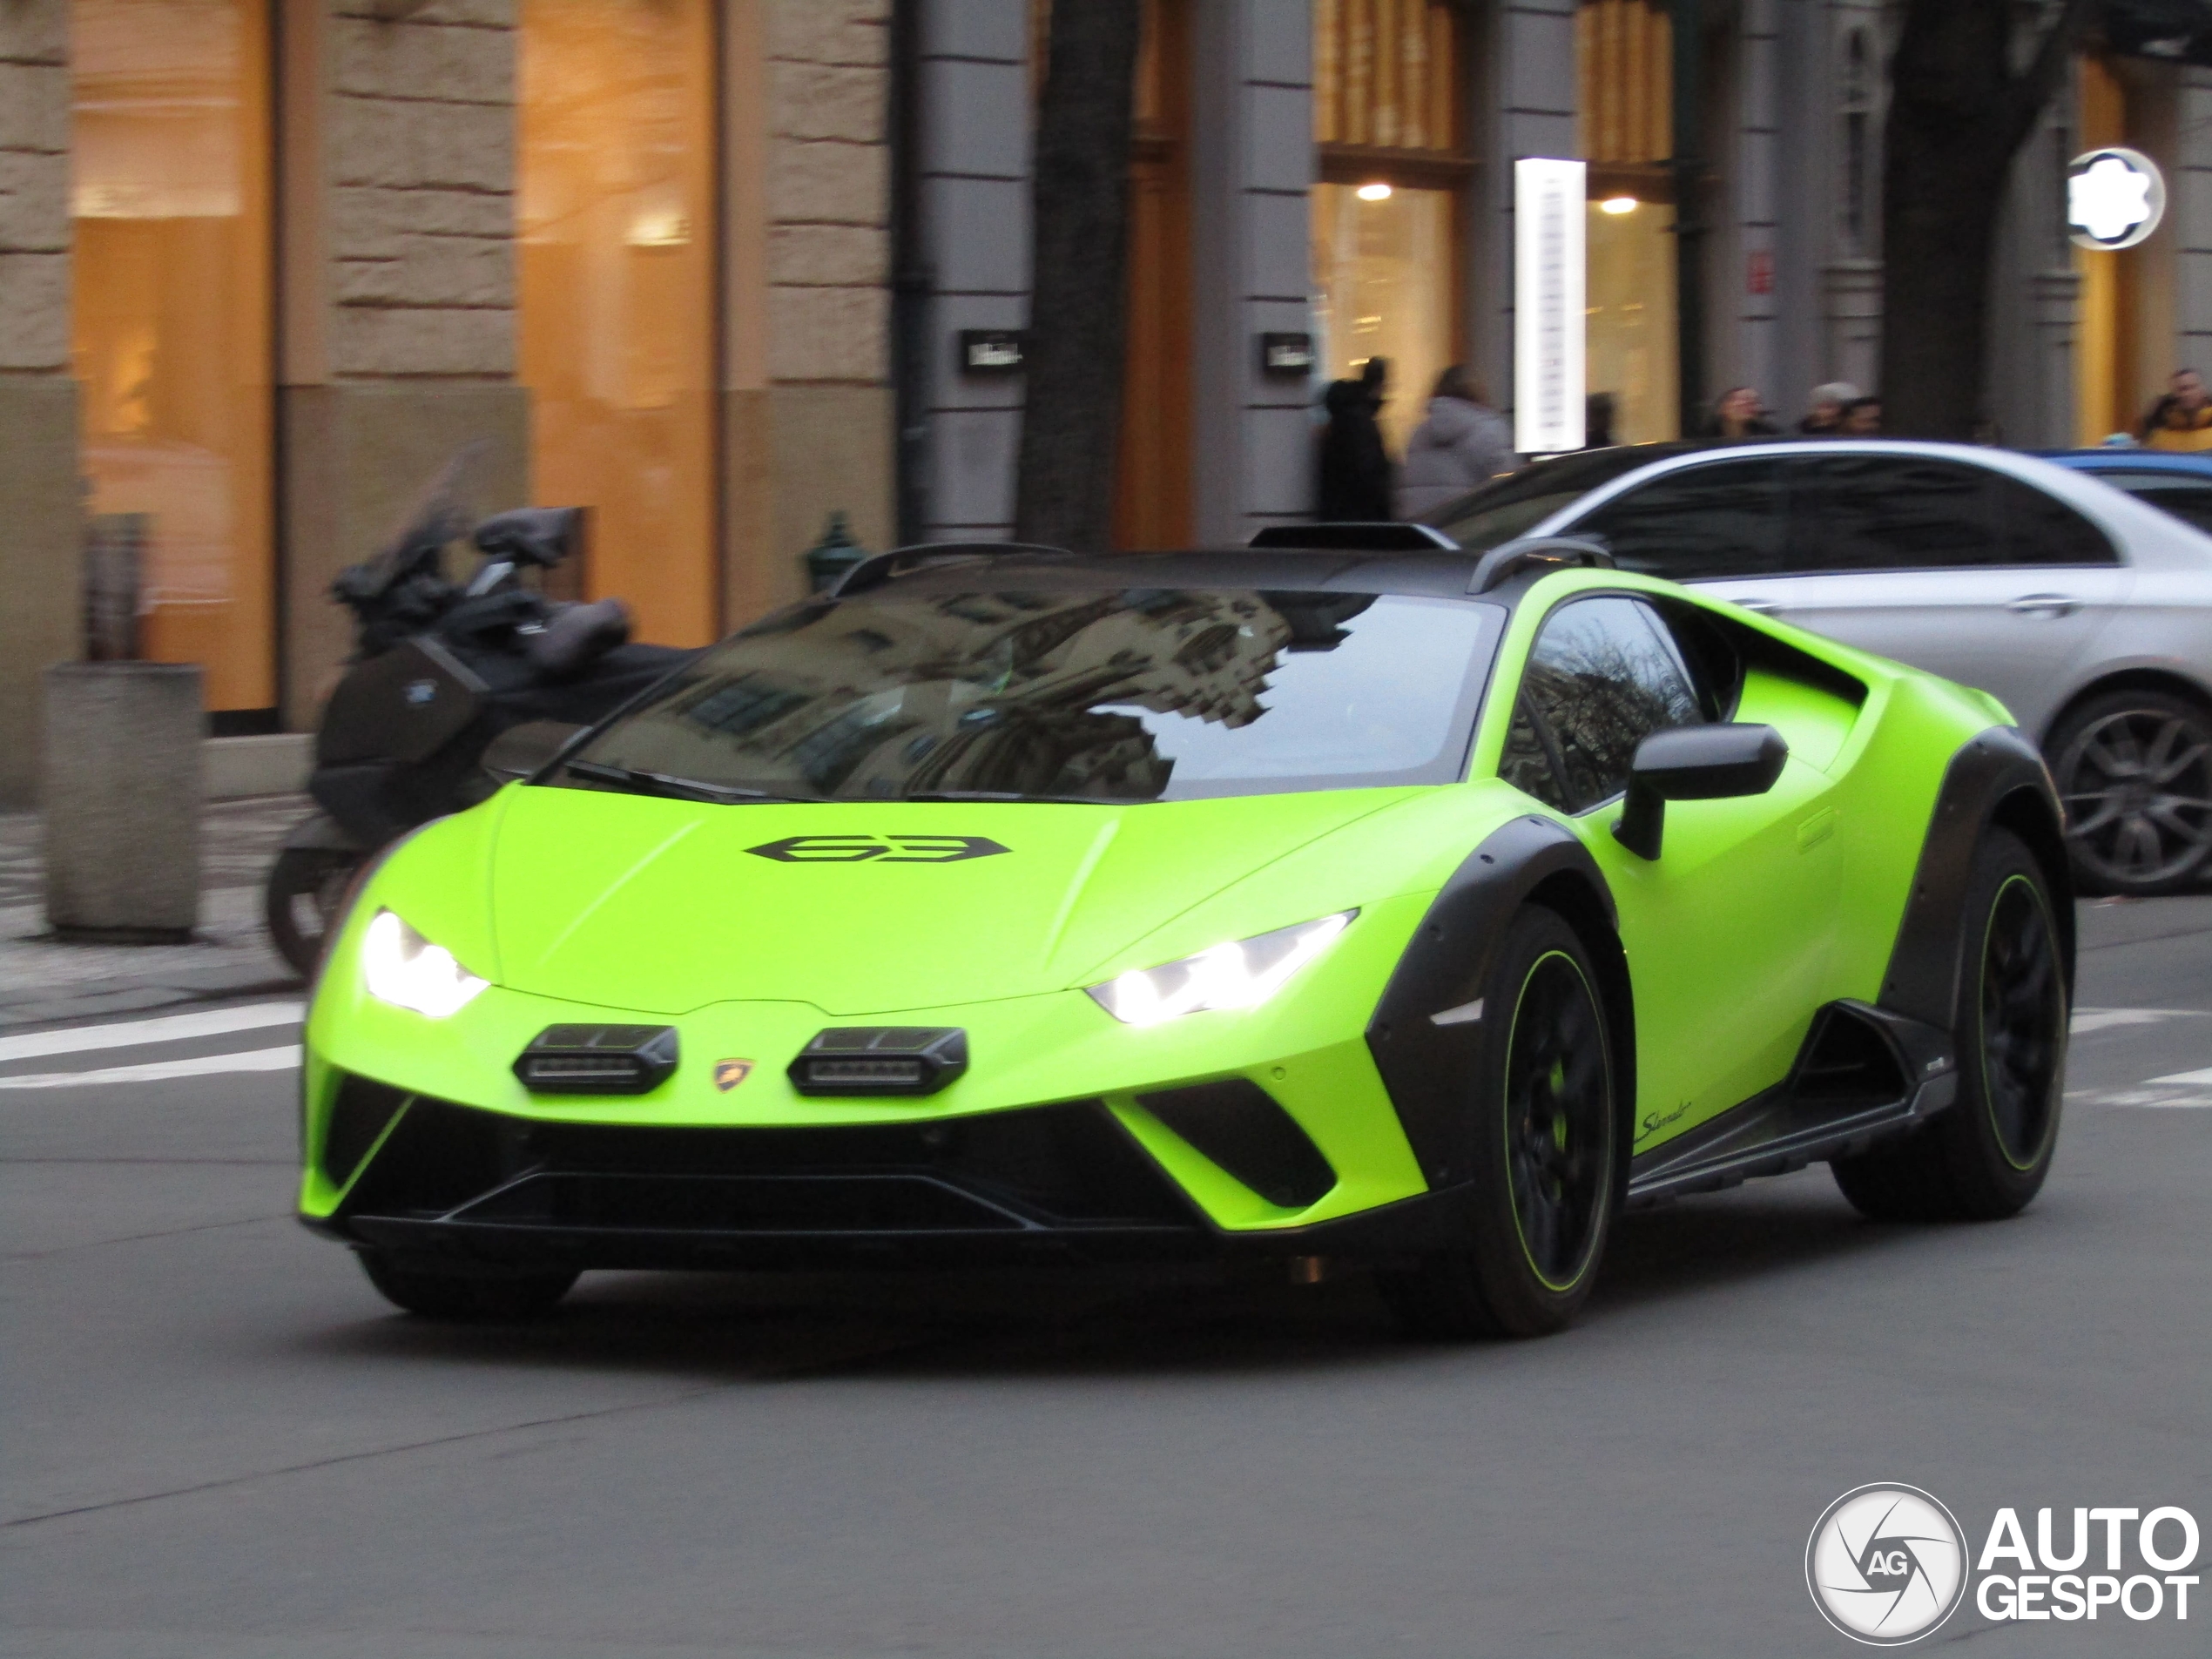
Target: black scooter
x=439, y=671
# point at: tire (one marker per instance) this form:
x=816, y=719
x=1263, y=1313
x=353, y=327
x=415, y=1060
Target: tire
x=303, y=900
x=1987, y=1156
x=464, y=1296
x=1545, y=1154
x=2135, y=771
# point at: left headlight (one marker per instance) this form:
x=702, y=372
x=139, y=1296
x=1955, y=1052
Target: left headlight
x=402, y=967
x=1240, y=974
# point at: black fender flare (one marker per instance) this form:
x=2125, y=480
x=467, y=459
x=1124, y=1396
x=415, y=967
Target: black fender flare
x=1426, y=1066
x=1995, y=778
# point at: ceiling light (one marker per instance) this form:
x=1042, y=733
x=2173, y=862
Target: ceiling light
x=1375, y=193
x=1619, y=205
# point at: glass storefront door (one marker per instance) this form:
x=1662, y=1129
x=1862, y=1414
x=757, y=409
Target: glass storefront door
x=618, y=275
x=171, y=320
x=1630, y=338
x=1383, y=286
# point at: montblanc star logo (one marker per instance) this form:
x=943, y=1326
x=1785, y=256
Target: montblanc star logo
x=2114, y=198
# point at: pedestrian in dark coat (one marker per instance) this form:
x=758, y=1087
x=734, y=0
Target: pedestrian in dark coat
x=1355, y=467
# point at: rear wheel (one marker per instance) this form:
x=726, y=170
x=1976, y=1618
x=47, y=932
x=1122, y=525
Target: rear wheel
x=464, y=1295
x=2134, y=769
x=1987, y=1156
x=1546, y=1156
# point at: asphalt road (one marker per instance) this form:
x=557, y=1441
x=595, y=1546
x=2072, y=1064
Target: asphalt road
x=219, y=1441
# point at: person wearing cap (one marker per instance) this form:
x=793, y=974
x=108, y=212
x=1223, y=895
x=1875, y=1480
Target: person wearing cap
x=1827, y=411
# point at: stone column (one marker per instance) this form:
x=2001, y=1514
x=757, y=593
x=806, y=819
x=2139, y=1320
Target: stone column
x=1529, y=106
x=806, y=403
x=2188, y=203
x=974, y=135
x=41, y=505
x=397, y=178
x=1252, y=160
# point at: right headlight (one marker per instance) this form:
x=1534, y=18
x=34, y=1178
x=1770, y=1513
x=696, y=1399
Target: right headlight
x=1242, y=974
x=400, y=967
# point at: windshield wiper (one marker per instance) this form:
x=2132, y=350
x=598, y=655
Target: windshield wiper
x=662, y=783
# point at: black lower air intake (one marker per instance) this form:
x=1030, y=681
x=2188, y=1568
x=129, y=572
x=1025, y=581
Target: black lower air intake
x=880, y=1060
x=1239, y=1126
x=597, y=1059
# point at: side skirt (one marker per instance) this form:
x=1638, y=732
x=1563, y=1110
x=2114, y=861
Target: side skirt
x=1864, y=1074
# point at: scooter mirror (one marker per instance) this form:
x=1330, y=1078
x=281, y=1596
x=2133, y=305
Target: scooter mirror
x=523, y=751
x=540, y=535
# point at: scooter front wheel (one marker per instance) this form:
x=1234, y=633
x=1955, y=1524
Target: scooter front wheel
x=305, y=900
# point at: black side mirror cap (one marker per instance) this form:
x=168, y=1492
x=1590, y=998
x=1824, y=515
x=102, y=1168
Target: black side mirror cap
x=1695, y=763
x=526, y=750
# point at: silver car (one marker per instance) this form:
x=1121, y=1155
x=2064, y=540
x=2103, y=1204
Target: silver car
x=2087, y=610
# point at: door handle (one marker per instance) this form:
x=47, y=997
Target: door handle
x=2044, y=604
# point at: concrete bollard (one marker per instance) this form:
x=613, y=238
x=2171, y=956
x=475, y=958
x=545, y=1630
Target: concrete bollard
x=119, y=792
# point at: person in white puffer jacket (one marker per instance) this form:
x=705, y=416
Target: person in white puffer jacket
x=1462, y=443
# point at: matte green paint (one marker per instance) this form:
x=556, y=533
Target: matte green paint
x=585, y=906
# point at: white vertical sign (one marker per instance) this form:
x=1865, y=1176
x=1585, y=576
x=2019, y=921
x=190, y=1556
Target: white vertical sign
x=1548, y=268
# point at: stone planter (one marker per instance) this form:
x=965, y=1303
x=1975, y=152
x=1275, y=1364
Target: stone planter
x=120, y=793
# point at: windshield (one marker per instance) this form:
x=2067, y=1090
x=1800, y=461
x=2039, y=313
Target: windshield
x=1132, y=694
x=1496, y=513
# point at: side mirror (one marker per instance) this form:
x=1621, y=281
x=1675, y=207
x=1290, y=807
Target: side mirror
x=1695, y=763
x=539, y=535
x=525, y=750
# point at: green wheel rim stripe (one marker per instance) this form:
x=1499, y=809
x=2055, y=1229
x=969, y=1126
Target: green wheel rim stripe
x=2049, y=1118
x=1605, y=1138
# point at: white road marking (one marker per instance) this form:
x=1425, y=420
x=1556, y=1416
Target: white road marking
x=2184, y=1078
x=160, y=1071
x=135, y=1034
x=2087, y=1020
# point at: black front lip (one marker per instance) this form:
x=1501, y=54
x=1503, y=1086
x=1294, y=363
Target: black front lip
x=1392, y=1232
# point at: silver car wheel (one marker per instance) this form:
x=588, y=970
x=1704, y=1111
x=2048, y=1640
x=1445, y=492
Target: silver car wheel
x=2137, y=784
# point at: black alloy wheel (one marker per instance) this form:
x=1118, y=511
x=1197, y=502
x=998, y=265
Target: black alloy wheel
x=2134, y=770
x=1543, y=1157
x=468, y=1297
x=1559, y=1104
x=1988, y=1154
x=2023, y=1019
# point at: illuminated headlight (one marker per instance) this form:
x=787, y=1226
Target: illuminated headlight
x=402, y=967
x=1241, y=974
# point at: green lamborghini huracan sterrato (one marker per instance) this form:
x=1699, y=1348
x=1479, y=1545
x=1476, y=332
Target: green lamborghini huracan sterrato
x=1377, y=903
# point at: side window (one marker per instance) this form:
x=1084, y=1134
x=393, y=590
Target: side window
x=1716, y=521
x=1604, y=674
x=2186, y=500
x=2040, y=529
x=1892, y=513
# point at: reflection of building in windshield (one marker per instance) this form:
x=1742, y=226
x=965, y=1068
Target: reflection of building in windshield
x=1005, y=693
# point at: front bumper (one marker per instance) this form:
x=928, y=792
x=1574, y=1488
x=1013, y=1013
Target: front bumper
x=431, y=1182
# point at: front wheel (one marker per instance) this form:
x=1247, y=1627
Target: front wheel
x=1546, y=1155
x=2134, y=769
x=462, y=1295
x=1988, y=1155
x=303, y=899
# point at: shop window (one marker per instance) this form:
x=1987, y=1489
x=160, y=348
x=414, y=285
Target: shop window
x=617, y=335
x=171, y=321
x=1624, y=61
x=1386, y=218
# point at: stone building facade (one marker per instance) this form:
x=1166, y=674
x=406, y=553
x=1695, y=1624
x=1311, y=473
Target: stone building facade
x=646, y=253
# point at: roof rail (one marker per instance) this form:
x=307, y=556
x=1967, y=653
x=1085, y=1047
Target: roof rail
x=878, y=569
x=1387, y=536
x=1562, y=552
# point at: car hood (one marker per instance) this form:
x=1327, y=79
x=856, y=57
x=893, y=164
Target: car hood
x=861, y=907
